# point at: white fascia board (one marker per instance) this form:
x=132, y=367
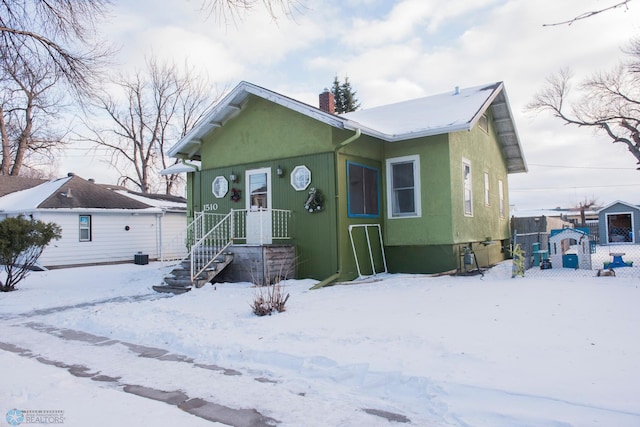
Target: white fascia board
x=147, y=211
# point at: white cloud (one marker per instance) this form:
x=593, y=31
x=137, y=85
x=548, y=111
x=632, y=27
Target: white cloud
x=408, y=49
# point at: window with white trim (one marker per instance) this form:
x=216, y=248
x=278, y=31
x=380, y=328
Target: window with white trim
x=501, y=197
x=403, y=187
x=220, y=187
x=85, y=228
x=300, y=177
x=467, y=188
x=487, y=194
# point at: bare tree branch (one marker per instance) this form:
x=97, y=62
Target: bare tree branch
x=153, y=109
x=60, y=33
x=607, y=101
x=29, y=110
x=224, y=10
x=586, y=15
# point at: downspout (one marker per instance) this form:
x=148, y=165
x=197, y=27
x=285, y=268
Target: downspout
x=337, y=274
x=191, y=165
x=159, y=236
x=195, y=169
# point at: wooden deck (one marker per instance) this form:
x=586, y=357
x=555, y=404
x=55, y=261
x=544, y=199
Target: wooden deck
x=260, y=264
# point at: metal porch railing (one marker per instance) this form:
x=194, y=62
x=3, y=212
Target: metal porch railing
x=210, y=234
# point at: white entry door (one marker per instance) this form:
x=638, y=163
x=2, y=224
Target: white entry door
x=258, y=182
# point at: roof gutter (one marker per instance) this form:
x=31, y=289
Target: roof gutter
x=337, y=274
x=195, y=167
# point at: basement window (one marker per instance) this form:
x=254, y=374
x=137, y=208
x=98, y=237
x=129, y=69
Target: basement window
x=364, y=194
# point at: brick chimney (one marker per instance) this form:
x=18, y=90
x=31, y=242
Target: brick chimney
x=327, y=102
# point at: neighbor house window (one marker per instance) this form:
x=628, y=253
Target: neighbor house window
x=466, y=185
x=487, y=194
x=364, y=197
x=85, y=228
x=403, y=186
x=501, y=196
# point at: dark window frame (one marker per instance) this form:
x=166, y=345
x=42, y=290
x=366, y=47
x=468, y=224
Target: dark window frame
x=81, y=228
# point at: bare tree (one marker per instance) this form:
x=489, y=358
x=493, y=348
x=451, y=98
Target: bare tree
x=224, y=9
x=608, y=102
x=585, y=205
x=147, y=112
x=585, y=15
x=60, y=33
x=29, y=112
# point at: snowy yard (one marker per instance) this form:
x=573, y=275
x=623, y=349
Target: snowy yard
x=405, y=350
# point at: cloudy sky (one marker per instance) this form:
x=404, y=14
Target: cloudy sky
x=397, y=50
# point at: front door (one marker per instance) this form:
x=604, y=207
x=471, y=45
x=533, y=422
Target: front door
x=258, y=182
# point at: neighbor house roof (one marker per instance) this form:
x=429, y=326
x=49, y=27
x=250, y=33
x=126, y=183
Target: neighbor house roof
x=71, y=192
x=453, y=111
x=11, y=184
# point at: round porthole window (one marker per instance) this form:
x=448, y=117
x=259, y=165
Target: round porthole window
x=300, y=178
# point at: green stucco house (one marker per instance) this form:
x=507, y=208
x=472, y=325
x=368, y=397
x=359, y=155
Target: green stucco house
x=407, y=187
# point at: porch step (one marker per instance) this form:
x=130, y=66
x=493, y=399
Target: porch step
x=179, y=280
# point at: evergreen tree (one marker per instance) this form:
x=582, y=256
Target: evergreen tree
x=337, y=94
x=344, y=95
x=22, y=241
x=349, y=100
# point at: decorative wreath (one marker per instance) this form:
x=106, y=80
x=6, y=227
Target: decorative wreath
x=315, y=201
x=236, y=195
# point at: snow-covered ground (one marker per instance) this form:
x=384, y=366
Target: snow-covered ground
x=403, y=350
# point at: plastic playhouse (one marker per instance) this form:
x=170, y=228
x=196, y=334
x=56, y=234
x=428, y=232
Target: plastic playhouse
x=570, y=248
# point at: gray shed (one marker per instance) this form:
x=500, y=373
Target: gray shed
x=619, y=222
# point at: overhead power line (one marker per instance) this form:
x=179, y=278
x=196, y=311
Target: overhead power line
x=581, y=167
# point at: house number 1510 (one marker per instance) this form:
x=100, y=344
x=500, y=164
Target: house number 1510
x=210, y=207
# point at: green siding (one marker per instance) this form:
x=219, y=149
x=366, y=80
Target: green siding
x=421, y=259
x=314, y=234
x=485, y=154
x=434, y=226
x=266, y=135
x=368, y=152
x=264, y=131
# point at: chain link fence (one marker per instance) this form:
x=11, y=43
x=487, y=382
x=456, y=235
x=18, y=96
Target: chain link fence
x=578, y=252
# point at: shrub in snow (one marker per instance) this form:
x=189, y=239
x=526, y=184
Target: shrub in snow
x=21, y=244
x=268, y=299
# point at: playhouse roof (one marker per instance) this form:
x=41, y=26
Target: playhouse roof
x=457, y=110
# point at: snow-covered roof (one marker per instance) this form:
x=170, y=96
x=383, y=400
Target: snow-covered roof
x=158, y=201
x=431, y=115
x=75, y=193
x=182, y=167
x=629, y=205
x=31, y=198
x=557, y=212
x=453, y=111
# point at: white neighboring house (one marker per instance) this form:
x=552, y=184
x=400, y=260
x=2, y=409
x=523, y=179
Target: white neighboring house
x=100, y=224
